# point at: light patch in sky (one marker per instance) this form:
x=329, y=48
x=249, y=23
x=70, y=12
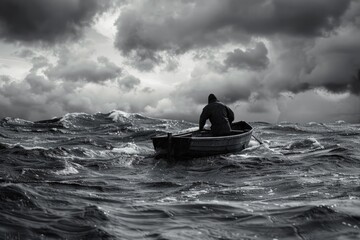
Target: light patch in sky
x=14, y=67
x=106, y=24
x=331, y=96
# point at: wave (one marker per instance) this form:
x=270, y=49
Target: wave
x=33, y=222
x=113, y=122
x=93, y=176
x=78, y=121
x=128, y=148
x=291, y=128
x=307, y=143
x=313, y=127
x=15, y=121
x=16, y=197
x=118, y=120
x=69, y=169
x=121, y=116
x=240, y=220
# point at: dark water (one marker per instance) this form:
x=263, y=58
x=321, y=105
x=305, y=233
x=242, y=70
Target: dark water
x=94, y=177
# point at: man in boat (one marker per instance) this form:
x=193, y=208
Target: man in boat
x=220, y=116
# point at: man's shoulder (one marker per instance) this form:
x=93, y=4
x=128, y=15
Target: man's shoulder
x=219, y=103
x=214, y=105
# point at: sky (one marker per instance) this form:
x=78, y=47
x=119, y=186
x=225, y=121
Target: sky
x=268, y=60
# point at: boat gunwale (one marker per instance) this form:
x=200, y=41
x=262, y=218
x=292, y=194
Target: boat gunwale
x=218, y=137
x=179, y=136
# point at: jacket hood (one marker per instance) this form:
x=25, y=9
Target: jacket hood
x=212, y=98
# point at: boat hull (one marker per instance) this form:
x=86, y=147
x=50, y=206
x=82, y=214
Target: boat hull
x=200, y=144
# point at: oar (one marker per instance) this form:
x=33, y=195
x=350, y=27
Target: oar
x=257, y=139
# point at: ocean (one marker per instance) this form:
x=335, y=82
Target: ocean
x=94, y=176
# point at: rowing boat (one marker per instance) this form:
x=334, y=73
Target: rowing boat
x=202, y=143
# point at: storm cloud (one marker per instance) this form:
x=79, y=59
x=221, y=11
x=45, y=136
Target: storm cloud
x=47, y=21
x=163, y=58
x=151, y=28
x=129, y=83
x=252, y=59
x=40, y=95
x=330, y=63
x=74, y=68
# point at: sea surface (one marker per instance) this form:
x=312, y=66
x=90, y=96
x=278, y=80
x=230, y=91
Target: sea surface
x=85, y=176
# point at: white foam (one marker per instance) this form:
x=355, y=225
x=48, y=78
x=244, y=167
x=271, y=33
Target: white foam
x=310, y=180
x=119, y=116
x=128, y=148
x=340, y=122
x=17, y=120
x=72, y=115
x=192, y=129
x=313, y=123
x=194, y=193
x=69, y=169
x=169, y=199
x=315, y=143
x=66, y=119
x=24, y=147
x=284, y=122
x=253, y=143
x=94, y=153
x=250, y=188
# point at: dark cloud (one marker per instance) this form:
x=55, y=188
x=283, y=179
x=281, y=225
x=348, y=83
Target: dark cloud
x=37, y=97
x=129, y=83
x=330, y=63
x=144, y=60
x=85, y=70
x=17, y=100
x=175, y=27
x=171, y=65
x=46, y=21
x=252, y=59
x=39, y=62
x=39, y=84
x=356, y=83
x=53, y=90
x=299, y=18
x=337, y=64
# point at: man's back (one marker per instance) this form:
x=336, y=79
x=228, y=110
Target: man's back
x=219, y=115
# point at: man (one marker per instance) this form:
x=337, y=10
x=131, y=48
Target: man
x=219, y=115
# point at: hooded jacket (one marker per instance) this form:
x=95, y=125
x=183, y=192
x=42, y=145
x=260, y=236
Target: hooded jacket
x=219, y=115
